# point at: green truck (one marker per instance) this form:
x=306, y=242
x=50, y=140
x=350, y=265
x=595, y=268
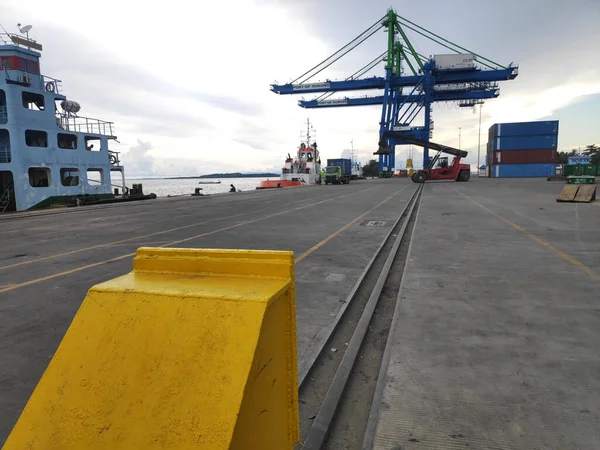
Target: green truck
x=338, y=171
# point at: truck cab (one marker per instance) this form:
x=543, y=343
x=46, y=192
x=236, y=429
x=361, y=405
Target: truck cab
x=333, y=175
x=338, y=171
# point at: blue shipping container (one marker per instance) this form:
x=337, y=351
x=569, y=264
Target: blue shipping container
x=523, y=170
x=344, y=163
x=549, y=127
x=525, y=143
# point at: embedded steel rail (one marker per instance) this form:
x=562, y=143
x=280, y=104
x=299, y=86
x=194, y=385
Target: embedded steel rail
x=327, y=374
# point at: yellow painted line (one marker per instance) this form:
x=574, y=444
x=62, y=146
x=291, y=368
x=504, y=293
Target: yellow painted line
x=143, y=236
x=99, y=263
x=62, y=274
x=345, y=227
x=108, y=244
x=141, y=244
x=537, y=239
x=257, y=220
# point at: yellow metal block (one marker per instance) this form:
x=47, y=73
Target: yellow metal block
x=568, y=193
x=192, y=349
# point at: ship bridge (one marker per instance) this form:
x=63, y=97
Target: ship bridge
x=49, y=154
x=21, y=66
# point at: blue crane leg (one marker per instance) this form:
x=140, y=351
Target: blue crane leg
x=427, y=134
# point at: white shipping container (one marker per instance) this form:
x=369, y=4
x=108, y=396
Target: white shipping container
x=454, y=61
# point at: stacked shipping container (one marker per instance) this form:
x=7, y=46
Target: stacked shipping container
x=522, y=149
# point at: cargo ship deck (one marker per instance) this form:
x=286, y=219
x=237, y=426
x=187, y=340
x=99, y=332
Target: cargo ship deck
x=495, y=341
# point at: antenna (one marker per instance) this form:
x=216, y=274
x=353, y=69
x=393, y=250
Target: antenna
x=308, y=135
x=25, y=42
x=352, y=152
x=25, y=29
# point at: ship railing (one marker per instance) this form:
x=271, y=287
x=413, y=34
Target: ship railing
x=87, y=125
x=33, y=80
x=24, y=78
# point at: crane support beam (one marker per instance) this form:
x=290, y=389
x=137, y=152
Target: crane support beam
x=441, y=96
x=441, y=78
x=329, y=86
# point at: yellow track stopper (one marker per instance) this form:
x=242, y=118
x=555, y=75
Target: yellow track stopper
x=192, y=349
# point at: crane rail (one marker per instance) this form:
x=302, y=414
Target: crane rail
x=338, y=380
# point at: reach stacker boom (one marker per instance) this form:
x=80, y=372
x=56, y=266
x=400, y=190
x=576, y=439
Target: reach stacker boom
x=438, y=168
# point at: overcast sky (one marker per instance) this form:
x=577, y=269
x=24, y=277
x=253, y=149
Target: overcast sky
x=188, y=85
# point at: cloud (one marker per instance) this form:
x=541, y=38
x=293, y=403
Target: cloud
x=133, y=92
x=139, y=160
x=195, y=81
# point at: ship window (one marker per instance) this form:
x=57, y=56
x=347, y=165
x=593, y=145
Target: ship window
x=33, y=101
x=39, y=177
x=93, y=144
x=69, y=177
x=95, y=176
x=5, y=156
x=22, y=64
x=67, y=141
x=3, y=110
x=32, y=66
x=34, y=138
x=5, y=63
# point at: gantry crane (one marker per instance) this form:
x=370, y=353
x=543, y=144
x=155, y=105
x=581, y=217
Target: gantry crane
x=405, y=95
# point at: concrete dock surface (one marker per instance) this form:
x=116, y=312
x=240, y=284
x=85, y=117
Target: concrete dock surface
x=49, y=260
x=497, y=344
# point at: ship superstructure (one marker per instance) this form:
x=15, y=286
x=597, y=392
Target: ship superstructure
x=303, y=168
x=49, y=155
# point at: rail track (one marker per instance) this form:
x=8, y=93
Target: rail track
x=341, y=380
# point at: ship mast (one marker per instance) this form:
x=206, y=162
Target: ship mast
x=309, y=127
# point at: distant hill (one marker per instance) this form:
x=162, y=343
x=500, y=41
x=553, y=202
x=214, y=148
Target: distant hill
x=228, y=175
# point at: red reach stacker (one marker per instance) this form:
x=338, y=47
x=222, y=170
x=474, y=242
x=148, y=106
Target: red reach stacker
x=438, y=168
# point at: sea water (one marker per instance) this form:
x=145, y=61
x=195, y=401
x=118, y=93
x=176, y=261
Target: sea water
x=166, y=187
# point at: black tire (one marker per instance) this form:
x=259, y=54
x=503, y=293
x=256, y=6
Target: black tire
x=420, y=177
x=464, y=175
x=412, y=177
